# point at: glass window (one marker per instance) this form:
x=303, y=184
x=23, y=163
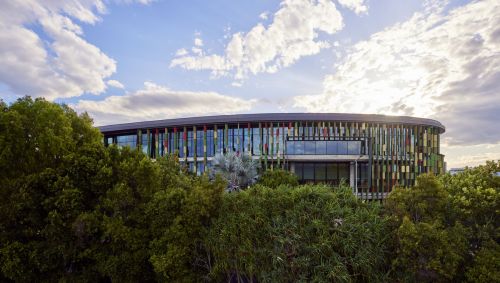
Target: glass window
x=308, y=171
x=246, y=139
x=190, y=145
x=341, y=147
x=331, y=171
x=210, y=142
x=309, y=147
x=320, y=172
x=128, y=140
x=354, y=147
x=200, y=168
x=199, y=143
x=299, y=147
x=171, y=143
x=321, y=147
x=144, y=142
x=181, y=144
x=255, y=141
x=290, y=147
x=344, y=171
x=331, y=147
x=298, y=170
x=220, y=140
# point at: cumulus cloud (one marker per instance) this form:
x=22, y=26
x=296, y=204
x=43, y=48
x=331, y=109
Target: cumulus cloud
x=159, y=102
x=198, y=42
x=115, y=83
x=357, y=6
x=64, y=64
x=439, y=64
x=292, y=34
x=264, y=15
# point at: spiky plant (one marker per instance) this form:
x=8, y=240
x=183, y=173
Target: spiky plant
x=240, y=170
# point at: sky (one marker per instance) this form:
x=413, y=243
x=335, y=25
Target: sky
x=137, y=60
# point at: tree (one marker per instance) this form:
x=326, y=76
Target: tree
x=429, y=244
x=180, y=215
x=475, y=197
x=239, y=170
x=52, y=168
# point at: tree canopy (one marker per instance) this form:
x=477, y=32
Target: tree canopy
x=74, y=210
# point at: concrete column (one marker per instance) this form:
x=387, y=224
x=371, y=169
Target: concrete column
x=292, y=167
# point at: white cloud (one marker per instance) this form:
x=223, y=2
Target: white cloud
x=292, y=34
x=357, y=6
x=159, y=102
x=65, y=65
x=181, y=52
x=264, y=15
x=115, y=83
x=442, y=65
x=470, y=155
x=198, y=42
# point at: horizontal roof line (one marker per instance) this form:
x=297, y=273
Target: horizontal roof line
x=271, y=117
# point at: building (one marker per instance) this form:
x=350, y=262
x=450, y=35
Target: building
x=372, y=153
x=455, y=171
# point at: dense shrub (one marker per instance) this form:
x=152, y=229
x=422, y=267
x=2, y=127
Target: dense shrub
x=307, y=233
x=278, y=177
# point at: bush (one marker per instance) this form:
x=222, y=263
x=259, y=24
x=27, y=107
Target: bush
x=306, y=233
x=278, y=177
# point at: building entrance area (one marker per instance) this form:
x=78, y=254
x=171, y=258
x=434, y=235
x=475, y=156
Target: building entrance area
x=332, y=173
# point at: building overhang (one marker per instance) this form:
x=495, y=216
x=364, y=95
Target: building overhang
x=271, y=117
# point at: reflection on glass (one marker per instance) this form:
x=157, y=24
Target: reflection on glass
x=324, y=147
x=256, y=141
x=354, y=147
x=298, y=170
x=343, y=171
x=331, y=147
x=290, y=147
x=299, y=147
x=309, y=147
x=308, y=171
x=342, y=147
x=320, y=172
x=331, y=171
x=321, y=147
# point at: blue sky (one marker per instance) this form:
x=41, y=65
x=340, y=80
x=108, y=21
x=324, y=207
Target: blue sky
x=127, y=60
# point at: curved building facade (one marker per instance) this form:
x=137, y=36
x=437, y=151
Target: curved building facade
x=373, y=153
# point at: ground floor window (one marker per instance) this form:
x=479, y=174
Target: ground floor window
x=332, y=173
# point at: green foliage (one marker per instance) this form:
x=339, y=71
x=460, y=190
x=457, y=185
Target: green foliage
x=475, y=197
x=72, y=210
x=239, y=170
x=428, y=251
x=429, y=246
x=486, y=266
x=48, y=153
x=440, y=226
x=426, y=201
x=307, y=233
x=278, y=177
x=179, y=217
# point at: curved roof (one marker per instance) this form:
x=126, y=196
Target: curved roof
x=271, y=117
